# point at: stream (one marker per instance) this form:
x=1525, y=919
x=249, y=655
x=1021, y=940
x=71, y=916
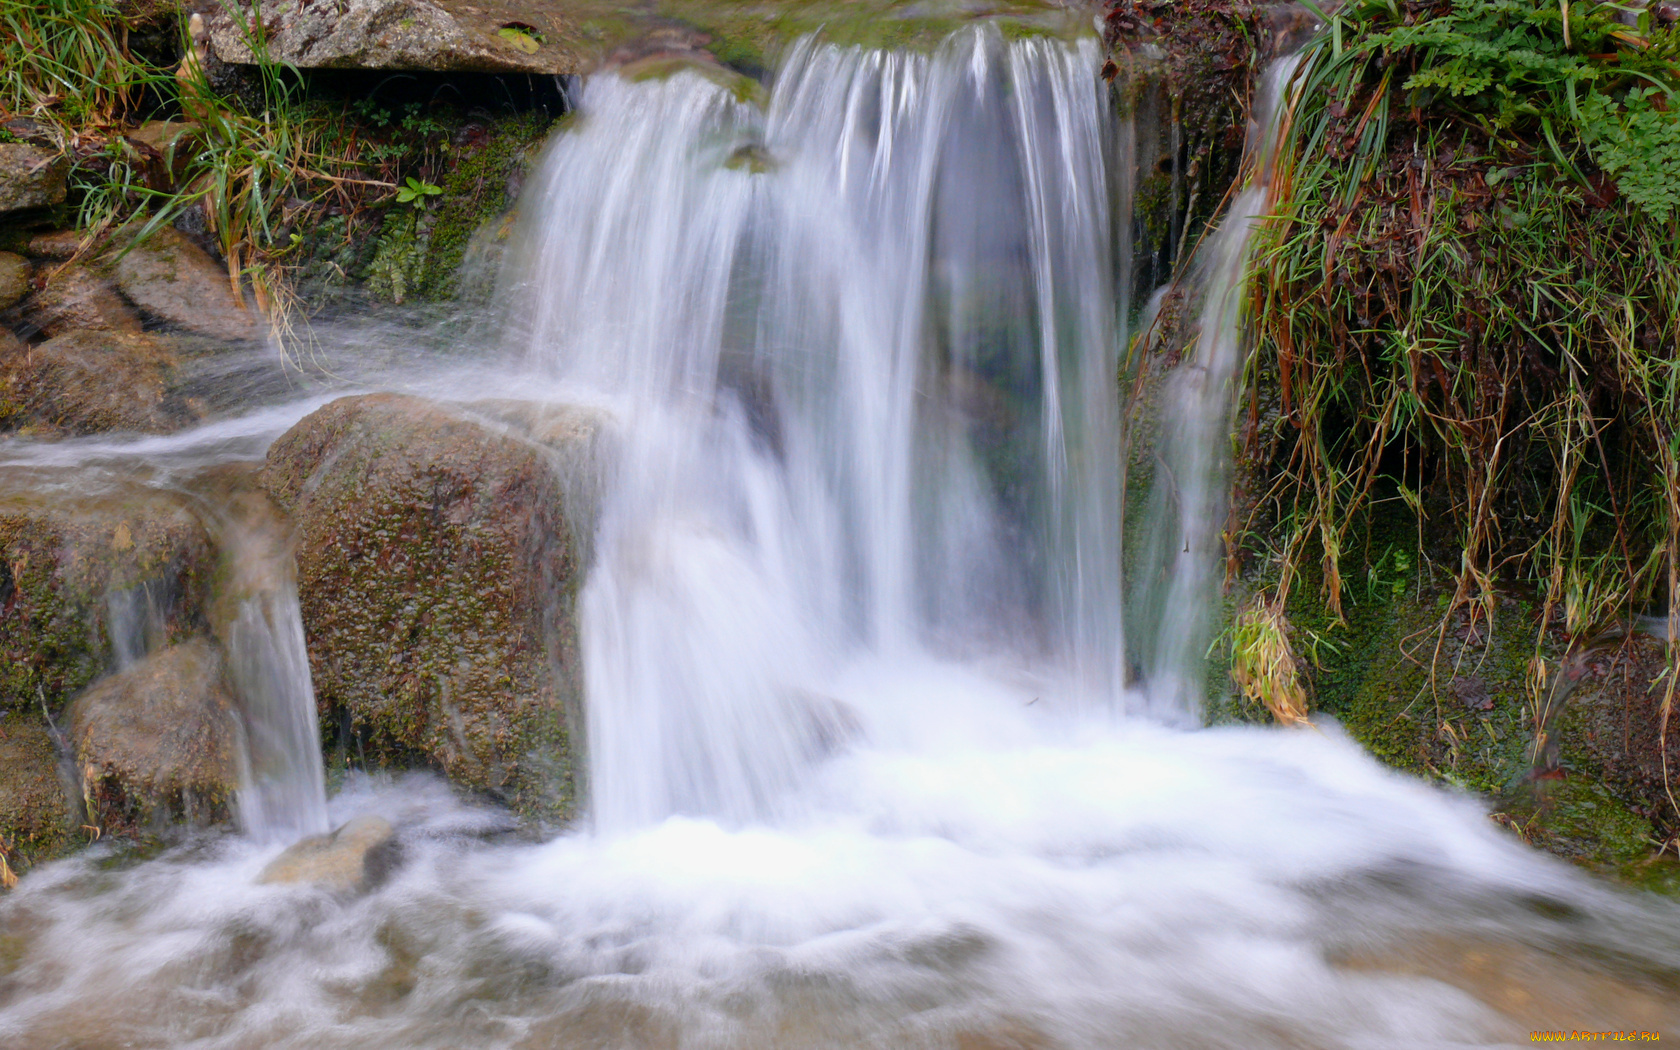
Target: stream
x=874, y=757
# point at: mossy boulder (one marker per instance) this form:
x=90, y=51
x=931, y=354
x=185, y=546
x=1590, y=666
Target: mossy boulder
x=174, y=280
x=85, y=382
x=37, y=822
x=84, y=576
x=158, y=742
x=437, y=571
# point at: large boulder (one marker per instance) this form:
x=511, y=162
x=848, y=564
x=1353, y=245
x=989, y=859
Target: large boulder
x=486, y=36
x=90, y=579
x=76, y=298
x=36, y=821
x=31, y=177
x=158, y=742
x=86, y=382
x=14, y=279
x=437, y=571
x=174, y=280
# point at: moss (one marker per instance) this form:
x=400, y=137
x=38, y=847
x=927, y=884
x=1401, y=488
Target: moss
x=436, y=584
x=36, y=818
x=59, y=563
x=475, y=192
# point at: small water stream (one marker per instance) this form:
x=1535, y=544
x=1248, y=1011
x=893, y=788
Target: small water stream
x=865, y=767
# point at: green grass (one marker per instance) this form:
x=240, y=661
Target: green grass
x=1466, y=299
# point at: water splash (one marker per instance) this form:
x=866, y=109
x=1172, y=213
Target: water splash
x=867, y=338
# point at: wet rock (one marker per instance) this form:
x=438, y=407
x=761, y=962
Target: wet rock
x=443, y=35
x=174, y=280
x=85, y=382
x=36, y=821
x=55, y=244
x=78, y=299
x=352, y=857
x=158, y=742
x=88, y=575
x=1532, y=987
x=437, y=572
x=31, y=177
x=14, y=279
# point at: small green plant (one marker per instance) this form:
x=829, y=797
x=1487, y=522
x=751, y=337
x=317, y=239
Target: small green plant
x=414, y=191
x=521, y=37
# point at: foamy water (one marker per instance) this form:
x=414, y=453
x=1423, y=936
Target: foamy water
x=864, y=770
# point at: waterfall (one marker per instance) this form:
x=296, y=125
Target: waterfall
x=1177, y=576
x=282, y=794
x=864, y=339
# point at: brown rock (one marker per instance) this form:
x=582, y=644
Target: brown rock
x=174, y=140
x=172, y=279
x=31, y=177
x=347, y=860
x=85, y=382
x=158, y=740
x=78, y=299
x=84, y=575
x=14, y=279
x=58, y=244
x=437, y=572
x=36, y=821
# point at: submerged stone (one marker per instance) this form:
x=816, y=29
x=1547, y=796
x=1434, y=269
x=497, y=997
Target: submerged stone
x=437, y=572
x=350, y=858
x=158, y=741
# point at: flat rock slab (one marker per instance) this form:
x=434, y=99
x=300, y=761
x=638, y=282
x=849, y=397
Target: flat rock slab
x=31, y=177
x=442, y=35
x=172, y=279
x=348, y=859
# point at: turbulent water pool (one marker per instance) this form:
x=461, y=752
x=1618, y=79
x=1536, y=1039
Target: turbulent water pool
x=869, y=762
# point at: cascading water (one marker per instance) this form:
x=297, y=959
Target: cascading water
x=1177, y=575
x=862, y=771
x=283, y=786
x=864, y=345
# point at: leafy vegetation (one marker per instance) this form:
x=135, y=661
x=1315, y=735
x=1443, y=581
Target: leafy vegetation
x=1466, y=304
x=253, y=160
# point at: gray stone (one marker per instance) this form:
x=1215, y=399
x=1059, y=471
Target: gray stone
x=158, y=741
x=348, y=859
x=443, y=35
x=31, y=177
x=14, y=279
x=78, y=299
x=174, y=280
